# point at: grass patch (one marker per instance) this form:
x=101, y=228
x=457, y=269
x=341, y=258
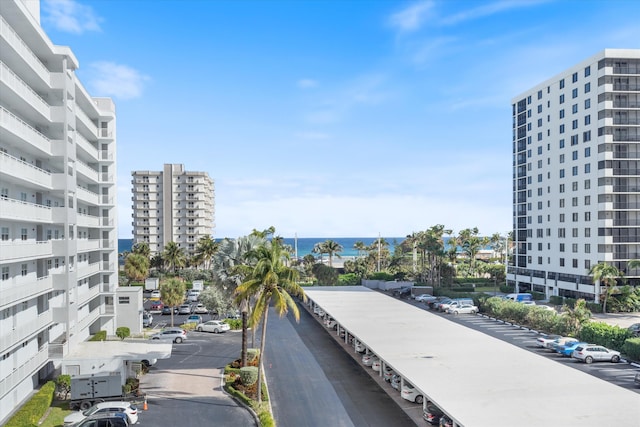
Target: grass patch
x=59, y=410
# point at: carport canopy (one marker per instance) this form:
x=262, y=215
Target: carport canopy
x=474, y=378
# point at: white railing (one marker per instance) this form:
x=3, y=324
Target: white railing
x=88, y=196
x=24, y=371
x=10, y=293
x=84, y=245
x=18, y=249
x=25, y=131
x=87, y=170
x=106, y=155
x=106, y=177
x=86, y=321
x=26, y=329
x=21, y=47
x=87, y=121
x=84, y=143
x=19, y=210
x=88, y=270
x=24, y=90
x=85, y=220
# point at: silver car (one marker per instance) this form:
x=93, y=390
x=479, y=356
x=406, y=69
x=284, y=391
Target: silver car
x=590, y=353
x=176, y=335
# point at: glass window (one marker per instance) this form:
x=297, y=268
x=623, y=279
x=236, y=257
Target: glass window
x=562, y=143
x=562, y=84
x=574, y=77
x=574, y=93
x=562, y=113
x=4, y=233
x=587, y=87
x=23, y=234
x=561, y=158
x=561, y=173
x=587, y=120
x=587, y=71
x=587, y=104
x=587, y=168
x=561, y=99
x=5, y=273
x=574, y=170
x=574, y=108
x=561, y=128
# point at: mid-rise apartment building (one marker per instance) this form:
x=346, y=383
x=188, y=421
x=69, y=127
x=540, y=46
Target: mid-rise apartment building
x=58, y=237
x=172, y=205
x=576, y=176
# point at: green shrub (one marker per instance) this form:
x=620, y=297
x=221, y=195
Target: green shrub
x=123, y=332
x=63, y=386
x=249, y=375
x=266, y=420
x=594, y=307
x=382, y=275
x=34, y=409
x=600, y=333
x=252, y=354
x=99, y=336
x=631, y=348
x=538, y=295
x=349, y=279
x=555, y=300
x=234, y=324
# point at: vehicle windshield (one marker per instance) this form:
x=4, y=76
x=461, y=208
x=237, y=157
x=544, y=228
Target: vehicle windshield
x=90, y=411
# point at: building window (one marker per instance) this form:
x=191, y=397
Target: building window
x=574, y=155
x=574, y=93
x=587, y=216
x=587, y=71
x=574, y=124
x=562, y=203
x=574, y=201
x=587, y=87
x=587, y=152
x=587, y=248
x=562, y=188
x=5, y=233
x=561, y=128
x=574, y=232
x=587, y=232
x=561, y=173
x=562, y=143
x=562, y=113
x=5, y=273
x=561, y=233
x=23, y=269
x=561, y=262
x=574, y=186
x=587, y=200
x=587, y=168
x=561, y=217
x=574, y=217
x=587, y=104
x=574, y=139
x=539, y=260
x=539, y=109
x=562, y=84
x=587, y=184
x=561, y=158
x=587, y=120
x=587, y=264
x=574, y=170
x=575, y=263
x=123, y=300
x=23, y=234
x=561, y=247
x=574, y=77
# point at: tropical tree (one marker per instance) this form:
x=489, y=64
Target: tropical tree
x=318, y=248
x=216, y=300
x=576, y=317
x=471, y=245
x=172, y=291
x=157, y=262
x=136, y=267
x=205, y=249
x=141, y=248
x=174, y=256
x=360, y=247
x=607, y=275
x=331, y=247
x=270, y=280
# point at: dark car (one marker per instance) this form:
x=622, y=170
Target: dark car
x=446, y=421
x=402, y=292
x=434, y=302
x=167, y=310
x=432, y=414
x=635, y=329
x=106, y=419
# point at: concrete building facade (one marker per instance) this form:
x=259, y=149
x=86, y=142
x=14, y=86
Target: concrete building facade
x=172, y=205
x=58, y=237
x=576, y=176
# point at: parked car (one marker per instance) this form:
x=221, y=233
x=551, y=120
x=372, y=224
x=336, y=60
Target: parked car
x=528, y=302
x=443, y=304
x=410, y=393
x=360, y=348
x=109, y=407
x=331, y=324
x=368, y=359
x=167, y=310
x=595, y=353
x=156, y=306
x=635, y=329
x=425, y=298
x=404, y=291
x=184, y=309
x=567, y=349
x=560, y=341
x=545, y=307
x=194, y=318
x=545, y=341
x=395, y=381
x=387, y=374
x=463, y=309
x=110, y=419
x=192, y=296
x=176, y=335
x=445, y=421
x=215, y=326
x=147, y=319
x=434, y=302
x=376, y=365
x=460, y=301
x=432, y=414
x=200, y=309
x=155, y=294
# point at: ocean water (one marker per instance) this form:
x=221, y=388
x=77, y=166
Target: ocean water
x=305, y=245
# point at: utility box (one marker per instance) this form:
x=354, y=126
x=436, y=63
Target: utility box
x=96, y=387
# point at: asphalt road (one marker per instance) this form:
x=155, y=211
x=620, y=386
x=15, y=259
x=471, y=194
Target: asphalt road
x=185, y=390
x=314, y=383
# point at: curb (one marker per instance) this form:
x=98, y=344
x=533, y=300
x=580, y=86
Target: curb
x=240, y=402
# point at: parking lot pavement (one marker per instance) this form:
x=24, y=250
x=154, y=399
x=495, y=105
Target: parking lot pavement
x=624, y=320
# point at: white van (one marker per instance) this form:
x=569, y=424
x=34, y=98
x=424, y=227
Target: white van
x=193, y=295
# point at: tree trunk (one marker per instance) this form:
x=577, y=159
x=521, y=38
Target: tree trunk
x=243, y=352
x=262, y=342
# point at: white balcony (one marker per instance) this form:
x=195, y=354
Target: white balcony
x=62, y=180
x=26, y=329
x=15, y=167
x=11, y=82
x=16, y=126
x=88, y=270
x=87, y=121
x=19, y=210
x=85, y=145
x=25, y=371
x=64, y=246
x=87, y=171
x=25, y=53
x=88, y=294
x=86, y=321
x=59, y=214
x=10, y=293
x=60, y=281
x=84, y=245
x=21, y=250
x=87, y=220
x=88, y=196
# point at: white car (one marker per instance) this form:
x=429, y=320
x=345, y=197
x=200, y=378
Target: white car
x=360, y=348
x=126, y=407
x=410, y=393
x=215, y=326
x=425, y=298
x=155, y=294
x=463, y=309
x=590, y=353
x=331, y=324
x=184, y=309
x=376, y=365
x=545, y=341
x=388, y=373
x=200, y=309
x=368, y=359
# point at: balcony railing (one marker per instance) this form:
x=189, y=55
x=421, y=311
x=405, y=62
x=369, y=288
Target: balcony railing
x=25, y=329
x=16, y=250
x=24, y=211
x=23, y=49
x=24, y=90
x=24, y=371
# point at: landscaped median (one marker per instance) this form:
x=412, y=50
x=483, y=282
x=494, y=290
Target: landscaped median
x=241, y=383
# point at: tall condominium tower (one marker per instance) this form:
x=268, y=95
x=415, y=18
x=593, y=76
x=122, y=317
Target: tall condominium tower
x=576, y=176
x=173, y=205
x=58, y=251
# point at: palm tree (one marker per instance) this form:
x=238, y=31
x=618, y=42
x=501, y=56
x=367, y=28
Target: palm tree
x=270, y=280
x=157, y=262
x=607, y=275
x=174, y=256
x=205, y=249
x=318, y=248
x=172, y=291
x=360, y=247
x=136, y=267
x=331, y=247
x=141, y=248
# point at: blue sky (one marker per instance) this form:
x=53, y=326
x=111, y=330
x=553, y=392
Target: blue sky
x=330, y=118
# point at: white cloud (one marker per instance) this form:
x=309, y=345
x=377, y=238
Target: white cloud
x=120, y=81
x=488, y=10
x=307, y=83
x=70, y=16
x=411, y=18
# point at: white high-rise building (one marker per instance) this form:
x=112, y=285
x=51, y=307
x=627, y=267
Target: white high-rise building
x=173, y=205
x=58, y=237
x=576, y=176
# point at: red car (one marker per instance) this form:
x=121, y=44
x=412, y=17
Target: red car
x=156, y=306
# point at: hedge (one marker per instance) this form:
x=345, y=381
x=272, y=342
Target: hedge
x=99, y=336
x=600, y=333
x=234, y=324
x=631, y=348
x=35, y=408
x=249, y=375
